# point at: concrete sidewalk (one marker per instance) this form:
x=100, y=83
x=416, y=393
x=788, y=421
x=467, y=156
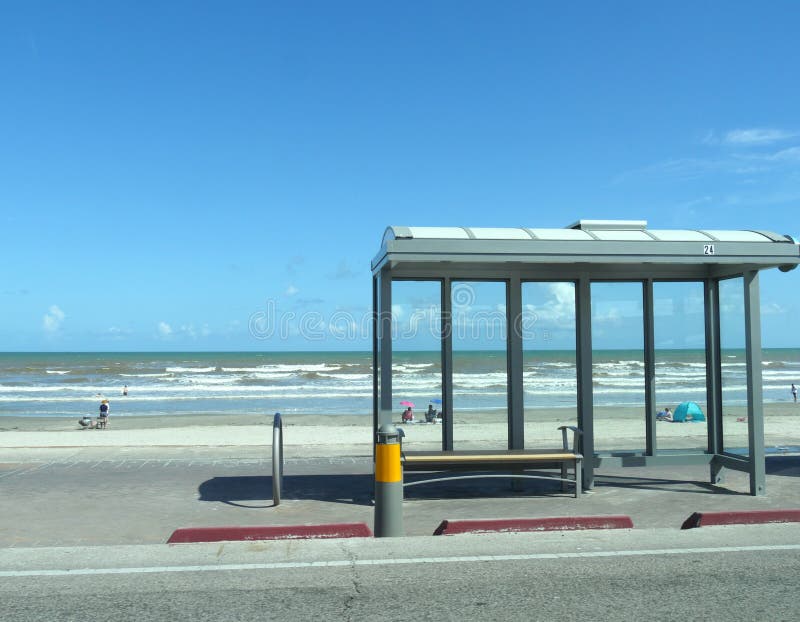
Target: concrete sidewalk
x=112, y=496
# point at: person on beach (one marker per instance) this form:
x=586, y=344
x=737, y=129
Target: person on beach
x=102, y=420
x=664, y=415
x=430, y=415
x=408, y=415
x=794, y=392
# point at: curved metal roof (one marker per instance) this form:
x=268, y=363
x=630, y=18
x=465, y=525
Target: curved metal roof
x=605, y=242
x=581, y=231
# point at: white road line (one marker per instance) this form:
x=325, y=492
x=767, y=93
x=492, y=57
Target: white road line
x=14, y=472
x=27, y=469
x=392, y=562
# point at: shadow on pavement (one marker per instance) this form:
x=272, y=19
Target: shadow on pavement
x=357, y=489
x=499, y=488
x=662, y=485
x=242, y=491
x=787, y=466
x=489, y=488
x=256, y=491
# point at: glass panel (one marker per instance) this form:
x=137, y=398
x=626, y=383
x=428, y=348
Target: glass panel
x=618, y=366
x=417, y=362
x=679, y=235
x=480, y=376
x=781, y=371
x=549, y=370
x=734, y=369
x=489, y=233
x=680, y=366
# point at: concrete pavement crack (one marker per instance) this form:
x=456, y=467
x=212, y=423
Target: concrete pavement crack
x=355, y=578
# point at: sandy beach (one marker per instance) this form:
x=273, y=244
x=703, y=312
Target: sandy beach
x=615, y=428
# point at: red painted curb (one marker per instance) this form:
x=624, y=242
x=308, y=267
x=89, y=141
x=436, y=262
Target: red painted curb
x=744, y=517
x=557, y=523
x=277, y=532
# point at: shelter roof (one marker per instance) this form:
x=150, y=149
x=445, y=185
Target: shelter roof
x=589, y=243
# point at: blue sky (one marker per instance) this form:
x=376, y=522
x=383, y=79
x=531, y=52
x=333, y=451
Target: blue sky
x=170, y=170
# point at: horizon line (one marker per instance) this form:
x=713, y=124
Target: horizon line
x=361, y=351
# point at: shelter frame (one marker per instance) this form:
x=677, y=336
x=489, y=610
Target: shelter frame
x=584, y=253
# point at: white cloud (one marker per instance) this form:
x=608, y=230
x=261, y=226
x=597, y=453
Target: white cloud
x=681, y=168
x=292, y=291
x=294, y=264
x=773, y=308
x=343, y=271
x=557, y=310
x=53, y=319
x=710, y=138
x=564, y=293
x=167, y=331
x=757, y=136
x=190, y=331
x=742, y=152
x=231, y=328
x=791, y=154
x=742, y=165
x=115, y=332
x=693, y=203
x=607, y=312
x=342, y=326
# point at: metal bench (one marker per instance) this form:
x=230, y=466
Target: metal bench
x=511, y=462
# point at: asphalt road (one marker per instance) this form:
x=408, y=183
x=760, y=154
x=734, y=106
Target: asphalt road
x=722, y=573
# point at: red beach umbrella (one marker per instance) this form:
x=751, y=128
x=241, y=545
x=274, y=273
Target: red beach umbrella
x=407, y=403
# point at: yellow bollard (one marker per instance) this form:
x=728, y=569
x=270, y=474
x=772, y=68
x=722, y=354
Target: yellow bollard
x=388, y=483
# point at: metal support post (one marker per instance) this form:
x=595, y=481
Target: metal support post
x=713, y=379
x=755, y=392
x=650, y=406
x=447, y=365
x=277, y=459
x=388, y=483
x=583, y=320
x=515, y=380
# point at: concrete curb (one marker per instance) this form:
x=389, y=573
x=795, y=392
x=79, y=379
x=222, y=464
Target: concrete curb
x=744, y=517
x=277, y=532
x=557, y=523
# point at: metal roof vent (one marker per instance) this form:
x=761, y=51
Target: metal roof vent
x=609, y=225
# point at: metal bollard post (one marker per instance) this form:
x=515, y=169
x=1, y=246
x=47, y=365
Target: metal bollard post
x=388, y=483
x=277, y=459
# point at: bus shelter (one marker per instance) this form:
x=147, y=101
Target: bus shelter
x=587, y=252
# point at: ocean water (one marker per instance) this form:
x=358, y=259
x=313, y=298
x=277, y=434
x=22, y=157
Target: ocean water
x=223, y=383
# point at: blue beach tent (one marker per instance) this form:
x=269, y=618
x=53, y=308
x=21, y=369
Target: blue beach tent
x=688, y=411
